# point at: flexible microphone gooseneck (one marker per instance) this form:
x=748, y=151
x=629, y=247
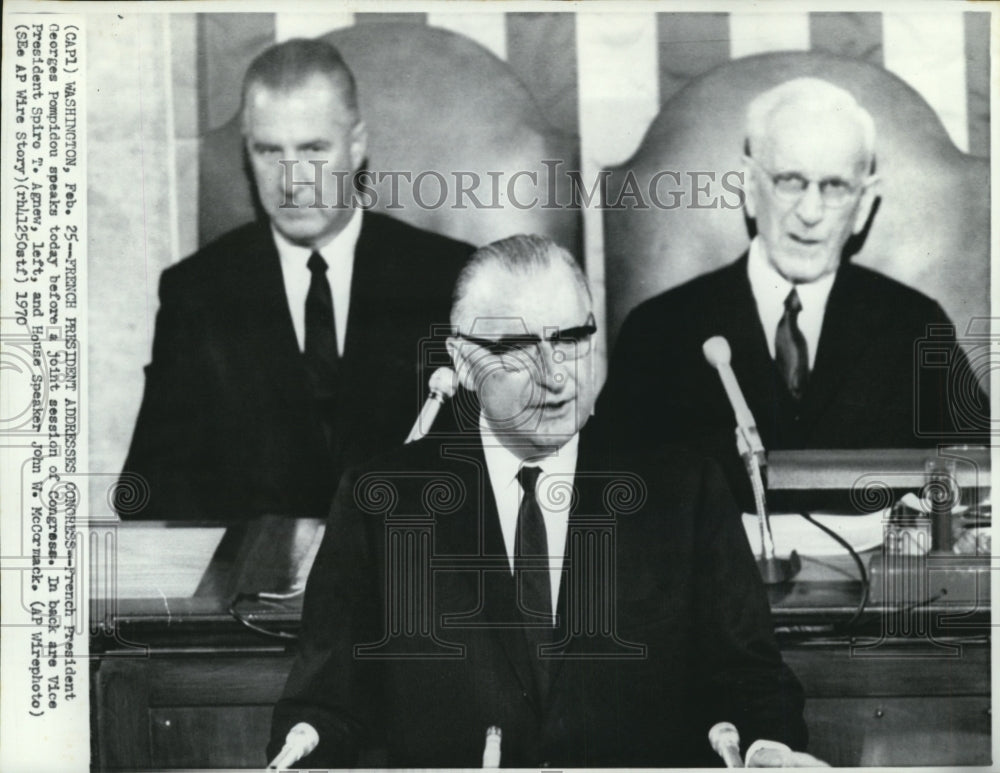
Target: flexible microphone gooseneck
x=772, y=569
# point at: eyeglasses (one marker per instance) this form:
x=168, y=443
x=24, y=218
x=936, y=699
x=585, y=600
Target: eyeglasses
x=835, y=192
x=570, y=344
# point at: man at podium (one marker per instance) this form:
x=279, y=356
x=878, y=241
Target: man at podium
x=510, y=573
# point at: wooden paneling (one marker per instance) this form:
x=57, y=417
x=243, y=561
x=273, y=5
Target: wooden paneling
x=122, y=695
x=215, y=681
x=905, y=703
x=187, y=712
x=942, y=730
x=894, y=668
x=210, y=736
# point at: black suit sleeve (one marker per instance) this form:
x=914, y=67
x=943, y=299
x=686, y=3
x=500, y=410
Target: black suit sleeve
x=328, y=687
x=162, y=475
x=745, y=680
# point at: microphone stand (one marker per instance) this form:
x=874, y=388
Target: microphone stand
x=773, y=570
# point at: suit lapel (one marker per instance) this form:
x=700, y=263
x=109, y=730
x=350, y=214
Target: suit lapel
x=377, y=343
x=364, y=280
x=740, y=323
x=380, y=287
x=848, y=326
x=261, y=303
x=475, y=531
x=592, y=476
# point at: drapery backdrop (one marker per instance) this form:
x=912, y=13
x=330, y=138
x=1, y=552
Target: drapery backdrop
x=159, y=84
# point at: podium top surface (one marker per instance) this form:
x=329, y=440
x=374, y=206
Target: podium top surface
x=816, y=469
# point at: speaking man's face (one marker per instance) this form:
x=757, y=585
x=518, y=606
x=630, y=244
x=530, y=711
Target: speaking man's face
x=532, y=359
x=314, y=131
x=808, y=190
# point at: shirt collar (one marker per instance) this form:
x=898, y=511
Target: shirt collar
x=503, y=464
x=343, y=243
x=770, y=290
x=769, y=285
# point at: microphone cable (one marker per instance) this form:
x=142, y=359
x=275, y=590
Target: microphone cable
x=245, y=621
x=865, y=583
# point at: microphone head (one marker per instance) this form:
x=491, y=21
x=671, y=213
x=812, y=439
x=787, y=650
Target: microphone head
x=717, y=351
x=305, y=736
x=723, y=733
x=443, y=381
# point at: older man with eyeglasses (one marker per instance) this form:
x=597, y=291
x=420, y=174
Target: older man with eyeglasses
x=600, y=611
x=826, y=351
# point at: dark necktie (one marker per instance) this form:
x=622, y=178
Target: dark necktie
x=531, y=549
x=790, y=348
x=531, y=573
x=321, y=331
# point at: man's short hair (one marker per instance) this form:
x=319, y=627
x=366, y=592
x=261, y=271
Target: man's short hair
x=286, y=66
x=809, y=94
x=520, y=255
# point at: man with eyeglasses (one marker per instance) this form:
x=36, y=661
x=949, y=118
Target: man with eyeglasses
x=824, y=350
x=600, y=611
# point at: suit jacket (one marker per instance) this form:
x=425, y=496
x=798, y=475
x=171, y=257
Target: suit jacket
x=873, y=384
x=227, y=428
x=664, y=626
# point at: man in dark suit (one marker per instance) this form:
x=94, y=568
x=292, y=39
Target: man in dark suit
x=828, y=354
x=290, y=347
x=601, y=611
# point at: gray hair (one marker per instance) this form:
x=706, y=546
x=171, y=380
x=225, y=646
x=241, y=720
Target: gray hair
x=808, y=93
x=521, y=255
x=286, y=66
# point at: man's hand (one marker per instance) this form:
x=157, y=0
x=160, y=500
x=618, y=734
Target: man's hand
x=771, y=754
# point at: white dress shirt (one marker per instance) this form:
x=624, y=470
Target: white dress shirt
x=770, y=290
x=339, y=256
x=558, y=471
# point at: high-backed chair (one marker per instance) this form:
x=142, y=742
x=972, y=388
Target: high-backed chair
x=435, y=103
x=930, y=229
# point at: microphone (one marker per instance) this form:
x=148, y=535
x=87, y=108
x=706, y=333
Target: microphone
x=725, y=741
x=773, y=570
x=300, y=741
x=718, y=354
x=491, y=751
x=442, y=387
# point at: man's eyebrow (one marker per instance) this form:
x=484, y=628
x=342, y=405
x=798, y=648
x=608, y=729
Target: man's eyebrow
x=317, y=143
x=573, y=329
x=516, y=338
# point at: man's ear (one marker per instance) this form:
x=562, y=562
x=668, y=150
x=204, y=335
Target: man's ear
x=749, y=193
x=359, y=144
x=463, y=370
x=871, y=190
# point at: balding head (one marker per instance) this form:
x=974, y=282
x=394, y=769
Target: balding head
x=523, y=255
